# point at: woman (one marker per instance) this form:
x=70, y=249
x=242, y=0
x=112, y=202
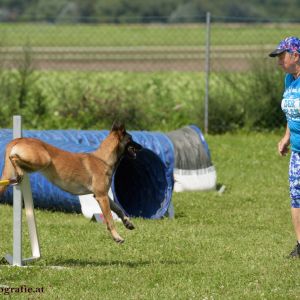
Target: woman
x=288, y=54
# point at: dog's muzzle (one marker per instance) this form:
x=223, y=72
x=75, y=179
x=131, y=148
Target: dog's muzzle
x=132, y=149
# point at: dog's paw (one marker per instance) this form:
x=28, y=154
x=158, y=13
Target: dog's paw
x=119, y=240
x=127, y=223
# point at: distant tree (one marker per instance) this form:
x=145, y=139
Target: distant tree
x=146, y=10
x=136, y=10
x=87, y=10
x=44, y=10
x=15, y=8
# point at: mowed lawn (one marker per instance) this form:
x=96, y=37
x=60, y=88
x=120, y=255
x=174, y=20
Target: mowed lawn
x=230, y=246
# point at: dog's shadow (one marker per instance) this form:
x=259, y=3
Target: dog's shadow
x=103, y=263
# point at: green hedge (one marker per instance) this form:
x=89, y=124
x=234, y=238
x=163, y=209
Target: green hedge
x=144, y=101
x=249, y=101
x=93, y=100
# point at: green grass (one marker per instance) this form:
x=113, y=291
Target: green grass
x=59, y=35
x=99, y=35
x=218, y=247
x=251, y=34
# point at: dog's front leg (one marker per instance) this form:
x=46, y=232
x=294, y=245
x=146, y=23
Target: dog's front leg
x=104, y=205
x=115, y=208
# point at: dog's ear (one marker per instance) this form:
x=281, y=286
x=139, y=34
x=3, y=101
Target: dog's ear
x=118, y=126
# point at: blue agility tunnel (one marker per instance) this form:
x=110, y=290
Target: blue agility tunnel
x=142, y=187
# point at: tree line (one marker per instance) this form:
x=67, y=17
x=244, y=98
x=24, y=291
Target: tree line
x=146, y=11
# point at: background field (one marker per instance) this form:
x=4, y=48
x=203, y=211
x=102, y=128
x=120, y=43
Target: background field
x=231, y=246
x=152, y=76
x=147, y=48
x=101, y=35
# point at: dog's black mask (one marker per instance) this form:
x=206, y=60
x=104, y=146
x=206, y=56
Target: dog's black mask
x=128, y=147
x=132, y=148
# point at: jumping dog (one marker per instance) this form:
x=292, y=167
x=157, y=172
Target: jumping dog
x=76, y=173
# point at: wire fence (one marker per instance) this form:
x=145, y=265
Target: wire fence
x=213, y=45
x=140, y=47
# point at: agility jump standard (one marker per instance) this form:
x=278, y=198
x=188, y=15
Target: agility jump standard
x=22, y=192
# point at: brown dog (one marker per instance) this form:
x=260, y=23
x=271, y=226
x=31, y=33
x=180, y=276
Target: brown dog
x=76, y=173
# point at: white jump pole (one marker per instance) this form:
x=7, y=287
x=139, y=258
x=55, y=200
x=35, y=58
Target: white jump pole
x=20, y=192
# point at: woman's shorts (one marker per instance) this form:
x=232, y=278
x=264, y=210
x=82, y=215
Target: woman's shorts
x=294, y=178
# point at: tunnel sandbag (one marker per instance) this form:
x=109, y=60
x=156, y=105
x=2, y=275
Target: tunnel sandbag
x=193, y=168
x=146, y=182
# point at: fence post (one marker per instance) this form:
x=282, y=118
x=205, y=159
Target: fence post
x=207, y=71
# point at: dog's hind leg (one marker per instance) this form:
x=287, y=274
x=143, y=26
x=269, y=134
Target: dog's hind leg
x=18, y=171
x=115, y=208
x=104, y=205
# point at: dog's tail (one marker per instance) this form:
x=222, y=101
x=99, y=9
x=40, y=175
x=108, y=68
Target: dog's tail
x=8, y=171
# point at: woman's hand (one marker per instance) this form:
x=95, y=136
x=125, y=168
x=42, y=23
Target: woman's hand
x=283, y=146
